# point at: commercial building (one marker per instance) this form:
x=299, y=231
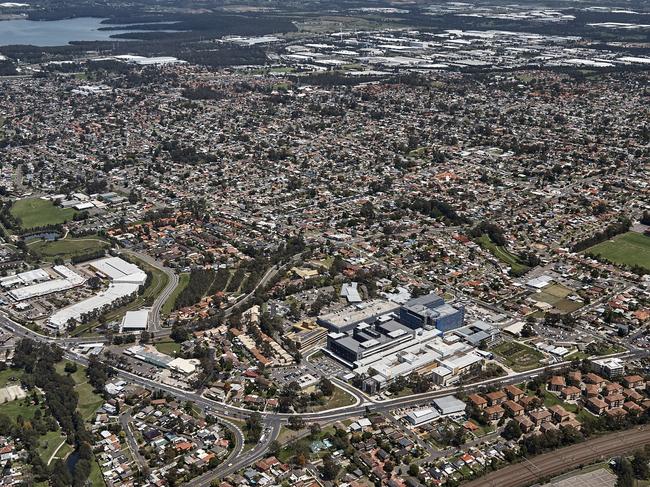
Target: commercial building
x=449, y=405
x=126, y=279
x=422, y=416
x=135, y=320
x=68, y=280
x=307, y=335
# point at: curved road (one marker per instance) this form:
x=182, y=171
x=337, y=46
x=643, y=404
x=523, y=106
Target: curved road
x=533, y=469
x=172, y=282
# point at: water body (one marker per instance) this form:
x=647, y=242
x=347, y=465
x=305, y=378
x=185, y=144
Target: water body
x=54, y=32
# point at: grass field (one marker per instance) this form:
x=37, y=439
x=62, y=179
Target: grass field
x=89, y=402
x=629, y=248
x=35, y=212
x=67, y=248
x=503, y=255
x=48, y=442
x=517, y=356
x=169, y=348
x=556, y=296
x=183, y=281
x=339, y=399
x=7, y=375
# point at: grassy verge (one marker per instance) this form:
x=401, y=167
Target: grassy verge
x=339, y=399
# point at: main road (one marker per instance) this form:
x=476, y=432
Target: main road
x=273, y=421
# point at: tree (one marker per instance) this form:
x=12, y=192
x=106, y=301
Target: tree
x=414, y=470
x=640, y=465
x=274, y=447
x=296, y=422
x=368, y=210
x=512, y=430
x=624, y=473
x=179, y=334
x=144, y=336
x=253, y=427
x=60, y=476
x=326, y=386
x=70, y=368
x=330, y=468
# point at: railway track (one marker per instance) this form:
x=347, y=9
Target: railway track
x=554, y=463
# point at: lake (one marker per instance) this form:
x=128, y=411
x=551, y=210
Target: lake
x=54, y=32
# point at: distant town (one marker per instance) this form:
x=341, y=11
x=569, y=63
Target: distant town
x=335, y=244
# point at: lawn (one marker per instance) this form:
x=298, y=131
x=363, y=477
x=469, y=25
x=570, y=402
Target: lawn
x=20, y=407
x=89, y=402
x=79, y=376
x=551, y=399
x=48, y=442
x=183, y=281
x=518, y=356
x=629, y=249
x=96, y=478
x=7, y=375
x=339, y=399
x=168, y=348
x=67, y=248
x=518, y=268
x=35, y=212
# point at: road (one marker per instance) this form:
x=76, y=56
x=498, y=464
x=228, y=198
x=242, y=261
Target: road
x=274, y=420
x=125, y=423
x=172, y=281
x=565, y=459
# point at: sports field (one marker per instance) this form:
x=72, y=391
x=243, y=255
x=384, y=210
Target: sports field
x=35, y=212
x=67, y=248
x=629, y=248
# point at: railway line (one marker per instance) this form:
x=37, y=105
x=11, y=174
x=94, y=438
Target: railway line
x=534, y=469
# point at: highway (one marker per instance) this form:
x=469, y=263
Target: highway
x=565, y=459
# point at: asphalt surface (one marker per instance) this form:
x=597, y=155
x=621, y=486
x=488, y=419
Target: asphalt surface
x=565, y=459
